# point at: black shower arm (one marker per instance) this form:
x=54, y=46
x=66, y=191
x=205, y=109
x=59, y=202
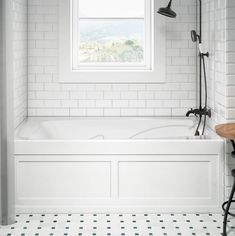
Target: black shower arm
x=200, y=20
x=169, y=4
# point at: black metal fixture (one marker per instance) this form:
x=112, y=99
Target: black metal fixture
x=195, y=36
x=167, y=11
x=228, y=131
x=200, y=111
x=226, y=205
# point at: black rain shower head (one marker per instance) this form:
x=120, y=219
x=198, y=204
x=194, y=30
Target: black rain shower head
x=166, y=11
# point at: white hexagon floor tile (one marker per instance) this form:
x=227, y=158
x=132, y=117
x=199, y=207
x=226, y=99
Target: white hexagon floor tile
x=117, y=225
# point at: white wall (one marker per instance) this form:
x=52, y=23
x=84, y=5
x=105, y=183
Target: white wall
x=2, y=75
x=214, y=41
x=20, y=59
x=230, y=83
x=7, y=115
x=219, y=30
x=47, y=97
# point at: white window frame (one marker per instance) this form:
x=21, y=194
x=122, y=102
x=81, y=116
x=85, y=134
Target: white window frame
x=152, y=72
x=147, y=65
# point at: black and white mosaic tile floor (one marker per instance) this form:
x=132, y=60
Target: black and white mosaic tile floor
x=117, y=225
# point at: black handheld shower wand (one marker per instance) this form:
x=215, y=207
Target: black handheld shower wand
x=195, y=36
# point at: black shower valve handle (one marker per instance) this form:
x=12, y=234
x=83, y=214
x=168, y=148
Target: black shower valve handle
x=204, y=54
x=208, y=112
x=199, y=112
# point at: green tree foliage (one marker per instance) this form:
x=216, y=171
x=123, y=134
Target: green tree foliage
x=122, y=51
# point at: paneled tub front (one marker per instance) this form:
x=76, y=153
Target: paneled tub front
x=117, y=165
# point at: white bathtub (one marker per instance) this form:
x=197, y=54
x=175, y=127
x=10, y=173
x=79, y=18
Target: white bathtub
x=117, y=165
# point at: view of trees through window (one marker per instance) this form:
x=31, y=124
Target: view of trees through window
x=111, y=41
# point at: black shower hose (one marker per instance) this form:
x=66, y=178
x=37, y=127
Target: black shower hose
x=198, y=126
x=206, y=99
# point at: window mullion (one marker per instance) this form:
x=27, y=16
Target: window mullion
x=110, y=18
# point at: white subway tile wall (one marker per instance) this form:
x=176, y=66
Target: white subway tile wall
x=214, y=41
x=219, y=40
x=47, y=97
x=229, y=85
x=20, y=60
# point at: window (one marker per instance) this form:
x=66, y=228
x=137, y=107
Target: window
x=108, y=41
x=111, y=34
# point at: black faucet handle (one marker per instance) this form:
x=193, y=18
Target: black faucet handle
x=209, y=113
